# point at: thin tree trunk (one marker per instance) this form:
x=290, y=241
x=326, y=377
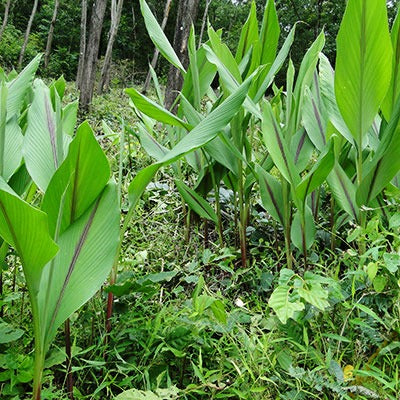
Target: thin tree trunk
x=27, y=32
x=116, y=11
x=187, y=13
x=134, y=39
x=156, y=51
x=92, y=52
x=319, y=13
x=5, y=19
x=51, y=33
x=203, y=22
x=82, y=46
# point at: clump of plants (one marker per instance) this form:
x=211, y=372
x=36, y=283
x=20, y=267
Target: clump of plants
x=280, y=275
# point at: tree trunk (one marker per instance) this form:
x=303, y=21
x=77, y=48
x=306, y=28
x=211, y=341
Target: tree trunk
x=116, y=11
x=82, y=46
x=203, y=22
x=91, y=55
x=156, y=51
x=187, y=13
x=5, y=19
x=134, y=39
x=51, y=33
x=27, y=32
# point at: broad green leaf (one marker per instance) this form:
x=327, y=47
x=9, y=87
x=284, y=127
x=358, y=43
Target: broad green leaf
x=281, y=302
x=343, y=190
x=277, y=146
x=87, y=252
x=230, y=84
x=314, y=294
x=78, y=181
x=195, y=202
x=289, y=101
x=218, y=309
x=203, y=133
x=396, y=181
x=25, y=228
x=158, y=37
x=308, y=65
x=44, y=147
x=379, y=283
x=305, y=75
x=372, y=270
x=392, y=262
x=315, y=119
x=149, y=143
x=363, y=64
x=285, y=276
x=223, y=53
x=8, y=333
x=189, y=111
x=385, y=164
x=214, y=172
x=59, y=86
x=165, y=276
x=302, y=149
x=303, y=229
x=154, y=110
x=220, y=152
x=327, y=84
x=19, y=86
x=195, y=74
x=248, y=35
x=394, y=87
x=318, y=173
x=20, y=181
x=264, y=81
x=394, y=221
x=13, y=148
x=58, y=356
x=269, y=34
x=69, y=118
x=271, y=195
x=207, y=73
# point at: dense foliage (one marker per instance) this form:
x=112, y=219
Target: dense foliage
x=133, y=48
x=252, y=240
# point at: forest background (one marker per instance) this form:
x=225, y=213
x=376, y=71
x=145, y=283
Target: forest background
x=133, y=49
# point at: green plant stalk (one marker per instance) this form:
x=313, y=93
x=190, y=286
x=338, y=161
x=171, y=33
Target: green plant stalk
x=242, y=217
x=113, y=275
x=332, y=223
x=317, y=197
x=218, y=209
x=68, y=361
x=288, y=225
x=186, y=211
x=303, y=238
x=235, y=217
x=39, y=352
x=205, y=242
x=362, y=217
x=217, y=202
